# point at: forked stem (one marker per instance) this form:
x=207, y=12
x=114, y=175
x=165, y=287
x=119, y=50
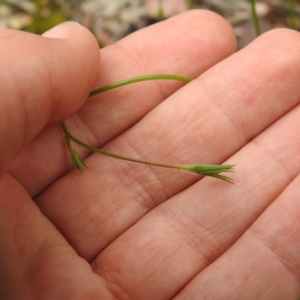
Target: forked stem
x=203, y=169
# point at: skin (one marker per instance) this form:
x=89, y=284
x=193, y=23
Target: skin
x=126, y=231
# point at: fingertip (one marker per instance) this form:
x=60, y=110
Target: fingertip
x=64, y=30
x=81, y=49
x=210, y=25
x=278, y=50
x=282, y=38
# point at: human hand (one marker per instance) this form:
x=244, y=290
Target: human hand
x=128, y=231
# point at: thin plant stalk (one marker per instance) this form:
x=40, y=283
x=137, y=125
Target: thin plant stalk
x=160, y=15
x=190, y=4
x=292, y=18
x=140, y=79
x=203, y=169
x=255, y=18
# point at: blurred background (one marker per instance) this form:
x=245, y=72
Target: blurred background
x=110, y=20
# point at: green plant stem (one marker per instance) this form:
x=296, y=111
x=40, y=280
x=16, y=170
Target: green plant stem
x=202, y=169
x=293, y=19
x=255, y=18
x=190, y=4
x=103, y=152
x=139, y=79
x=160, y=15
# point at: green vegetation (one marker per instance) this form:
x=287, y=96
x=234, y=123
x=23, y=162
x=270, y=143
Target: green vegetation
x=201, y=169
x=44, y=14
x=255, y=18
x=293, y=16
x=49, y=13
x=160, y=15
x=190, y=4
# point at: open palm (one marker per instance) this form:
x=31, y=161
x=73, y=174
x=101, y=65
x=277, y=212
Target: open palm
x=128, y=231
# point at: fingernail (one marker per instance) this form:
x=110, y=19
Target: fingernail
x=64, y=30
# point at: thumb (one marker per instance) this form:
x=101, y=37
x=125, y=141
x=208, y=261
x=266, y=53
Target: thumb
x=43, y=80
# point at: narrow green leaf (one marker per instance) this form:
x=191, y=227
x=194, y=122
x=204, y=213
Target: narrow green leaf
x=293, y=16
x=77, y=161
x=210, y=170
x=255, y=18
x=160, y=14
x=190, y=4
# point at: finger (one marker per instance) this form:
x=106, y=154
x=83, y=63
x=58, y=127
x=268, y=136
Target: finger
x=264, y=263
x=43, y=81
x=43, y=265
x=179, y=45
x=208, y=129
x=185, y=234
